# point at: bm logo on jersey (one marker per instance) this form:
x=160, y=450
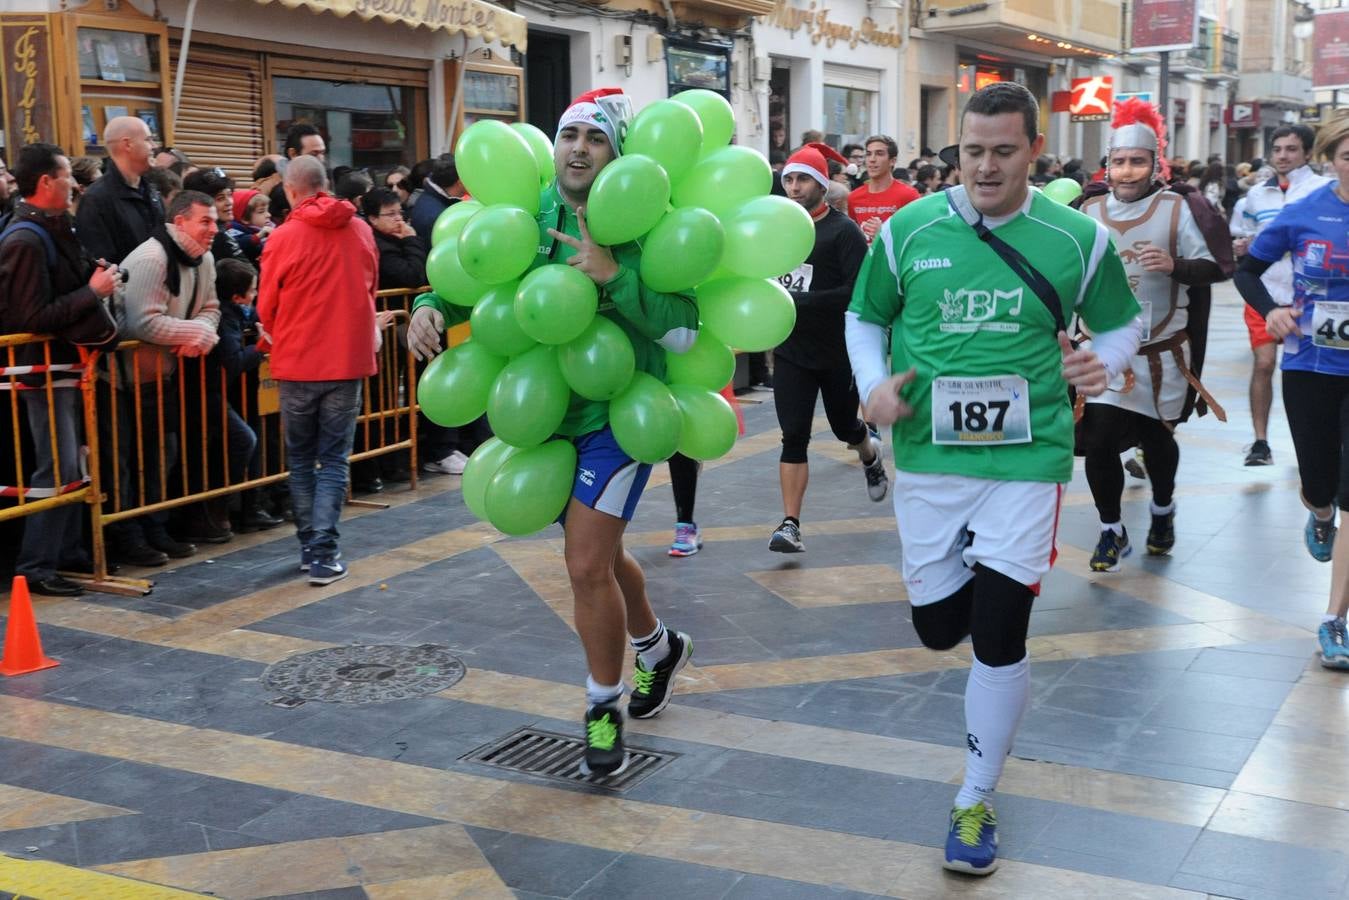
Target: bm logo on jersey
x=967, y=311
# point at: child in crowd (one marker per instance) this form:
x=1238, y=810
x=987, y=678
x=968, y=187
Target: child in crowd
x=237, y=356
x=252, y=223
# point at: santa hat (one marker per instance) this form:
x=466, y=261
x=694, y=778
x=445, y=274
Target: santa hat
x=1138, y=124
x=607, y=109
x=241, y=198
x=810, y=160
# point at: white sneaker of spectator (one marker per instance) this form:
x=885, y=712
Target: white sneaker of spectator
x=450, y=465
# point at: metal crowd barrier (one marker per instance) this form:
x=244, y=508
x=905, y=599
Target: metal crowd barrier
x=157, y=438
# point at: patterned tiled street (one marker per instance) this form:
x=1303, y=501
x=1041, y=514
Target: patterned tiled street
x=1182, y=740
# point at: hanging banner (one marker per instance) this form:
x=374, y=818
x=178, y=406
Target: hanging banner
x=1164, y=25
x=26, y=80
x=1330, y=49
x=1092, y=99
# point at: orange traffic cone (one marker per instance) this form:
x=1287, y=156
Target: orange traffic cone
x=23, y=647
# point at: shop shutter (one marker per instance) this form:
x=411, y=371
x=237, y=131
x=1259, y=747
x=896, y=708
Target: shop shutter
x=849, y=77
x=220, y=119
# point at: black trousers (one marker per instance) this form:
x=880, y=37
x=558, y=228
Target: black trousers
x=1105, y=430
x=1317, y=406
x=795, y=389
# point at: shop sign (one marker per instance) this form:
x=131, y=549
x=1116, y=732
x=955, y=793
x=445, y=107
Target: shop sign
x=1091, y=99
x=1163, y=25
x=472, y=17
x=1309, y=115
x=1145, y=96
x=1243, y=115
x=1330, y=49
x=814, y=19
x=27, y=79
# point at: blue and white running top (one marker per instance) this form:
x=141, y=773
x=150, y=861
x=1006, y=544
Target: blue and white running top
x=1315, y=231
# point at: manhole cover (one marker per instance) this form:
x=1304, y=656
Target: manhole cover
x=556, y=756
x=365, y=674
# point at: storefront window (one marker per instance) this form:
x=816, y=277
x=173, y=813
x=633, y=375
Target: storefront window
x=364, y=125
x=848, y=115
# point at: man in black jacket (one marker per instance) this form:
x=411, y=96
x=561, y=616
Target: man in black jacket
x=45, y=295
x=440, y=191
x=120, y=210
x=813, y=361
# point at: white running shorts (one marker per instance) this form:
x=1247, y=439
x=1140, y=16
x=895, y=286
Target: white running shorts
x=1014, y=524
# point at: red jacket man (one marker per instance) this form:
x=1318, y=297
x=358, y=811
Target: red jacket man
x=320, y=270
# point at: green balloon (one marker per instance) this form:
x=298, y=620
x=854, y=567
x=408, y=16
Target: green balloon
x=1062, y=190
x=498, y=244
x=447, y=275
x=708, y=364
x=715, y=114
x=626, y=201
x=478, y=472
x=747, y=313
x=451, y=220
x=529, y=398
x=495, y=163
x=493, y=322
x=555, y=303
x=453, y=389
x=724, y=179
x=710, y=425
x=645, y=420
x=682, y=250
x=531, y=489
x=599, y=364
x=767, y=237
x=668, y=132
x=541, y=147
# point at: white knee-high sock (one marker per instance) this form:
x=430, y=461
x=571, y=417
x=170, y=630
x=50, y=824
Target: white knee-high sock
x=995, y=698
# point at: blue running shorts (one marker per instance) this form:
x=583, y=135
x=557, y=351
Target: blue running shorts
x=607, y=479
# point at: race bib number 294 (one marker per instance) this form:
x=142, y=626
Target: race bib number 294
x=798, y=279
x=990, y=411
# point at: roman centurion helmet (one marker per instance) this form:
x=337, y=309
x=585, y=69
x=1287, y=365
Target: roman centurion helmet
x=1138, y=125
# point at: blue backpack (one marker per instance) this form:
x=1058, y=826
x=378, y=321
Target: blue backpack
x=25, y=225
x=98, y=330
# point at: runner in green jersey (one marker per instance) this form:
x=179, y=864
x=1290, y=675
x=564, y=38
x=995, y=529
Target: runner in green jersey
x=607, y=582
x=983, y=428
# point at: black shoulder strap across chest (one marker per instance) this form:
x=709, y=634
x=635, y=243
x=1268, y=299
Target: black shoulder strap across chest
x=1013, y=257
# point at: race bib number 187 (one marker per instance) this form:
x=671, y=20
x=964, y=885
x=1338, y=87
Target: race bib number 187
x=993, y=410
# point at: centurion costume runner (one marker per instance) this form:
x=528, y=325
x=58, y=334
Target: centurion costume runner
x=1142, y=406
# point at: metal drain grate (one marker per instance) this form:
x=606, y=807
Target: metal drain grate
x=548, y=754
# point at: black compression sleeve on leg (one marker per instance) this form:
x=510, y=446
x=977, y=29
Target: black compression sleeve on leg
x=684, y=483
x=1161, y=453
x=999, y=618
x=1103, y=430
x=944, y=624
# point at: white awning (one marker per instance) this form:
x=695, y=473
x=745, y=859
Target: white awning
x=475, y=18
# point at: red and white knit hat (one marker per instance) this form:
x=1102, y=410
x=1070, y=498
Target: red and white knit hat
x=810, y=160
x=607, y=109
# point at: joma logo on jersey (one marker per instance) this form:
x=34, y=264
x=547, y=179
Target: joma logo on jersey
x=967, y=310
x=922, y=265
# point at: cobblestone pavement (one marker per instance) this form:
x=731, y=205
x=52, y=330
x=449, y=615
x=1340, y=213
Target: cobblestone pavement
x=1181, y=739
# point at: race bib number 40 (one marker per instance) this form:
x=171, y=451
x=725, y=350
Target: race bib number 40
x=992, y=410
x=1330, y=325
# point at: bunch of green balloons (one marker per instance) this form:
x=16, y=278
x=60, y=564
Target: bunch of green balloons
x=701, y=211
